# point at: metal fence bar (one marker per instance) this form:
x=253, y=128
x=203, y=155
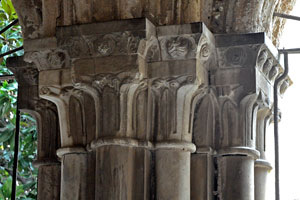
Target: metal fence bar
x=276, y=136
x=16, y=152
x=7, y=77
x=10, y=25
x=11, y=51
x=286, y=16
x=290, y=51
x=17, y=130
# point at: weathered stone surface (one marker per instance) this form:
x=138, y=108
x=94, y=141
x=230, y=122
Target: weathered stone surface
x=39, y=18
x=236, y=177
x=49, y=182
x=45, y=113
x=148, y=111
x=77, y=168
x=202, y=175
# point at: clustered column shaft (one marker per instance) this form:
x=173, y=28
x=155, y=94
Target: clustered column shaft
x=158, y=112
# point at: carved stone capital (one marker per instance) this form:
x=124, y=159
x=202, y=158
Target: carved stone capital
x=166, y=49
x=244, y=80
x=48, y=59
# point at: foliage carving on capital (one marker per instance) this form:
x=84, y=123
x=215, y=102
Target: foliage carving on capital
x=113, y=81
x=238, y=121
x=150, y=49
x=171, y=100
x=262, y=58
x=31, y=75
x=178, y=47
x=114, y=43
x=101, y=45
x=204, y=48
x=235, y=56
x=46, y=60
x=206, y=58
x=241, y=56
x=267, y=64
x=25, y=73
x=171, y=83
x=75, y=46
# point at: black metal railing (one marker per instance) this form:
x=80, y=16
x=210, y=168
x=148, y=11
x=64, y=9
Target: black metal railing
x=285, y=52
x=17, y=130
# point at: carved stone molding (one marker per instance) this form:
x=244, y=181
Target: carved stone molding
x=47, y=60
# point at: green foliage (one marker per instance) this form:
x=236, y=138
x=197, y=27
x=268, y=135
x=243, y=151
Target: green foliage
x=27, y=174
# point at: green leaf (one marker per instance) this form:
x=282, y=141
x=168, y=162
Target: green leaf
x=19, y=190
x=13, y=12
x=6, y=7
x=6, y=135
x=6, y=188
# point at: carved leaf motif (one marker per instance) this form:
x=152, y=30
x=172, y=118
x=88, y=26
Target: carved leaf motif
x=152, y=50
x=262, y=57
x=273, y=72
x=267, y=66
x=285, y=84
x=172, y=83
x=31, y=75
x=56, y=59
x=179, y=47
x=204, y=50
x=133, y=43
x=107, y=81
x=74, y=46
x=105, y=46
x=235, y=55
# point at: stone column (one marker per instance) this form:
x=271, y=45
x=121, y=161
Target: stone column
x=262, y=166
x=78, y=165
x=204, y=136
x=91, y=74
x=165, y=112
x=55, y=85
x=175, y=59
x=247, y=68
x=46, y=117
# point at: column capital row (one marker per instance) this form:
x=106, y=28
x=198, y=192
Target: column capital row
x=133, y=79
